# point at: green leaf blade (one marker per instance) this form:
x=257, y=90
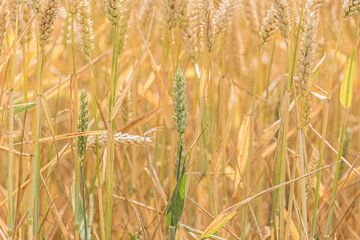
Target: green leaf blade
x=346, y=91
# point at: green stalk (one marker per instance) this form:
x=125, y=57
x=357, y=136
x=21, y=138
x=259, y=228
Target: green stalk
x=337, y=174
x=318, y=175
x=322, y=146
x=302, y=158
x=279, y=195
x=268, y=76
x=35, y=180
x=176, y=205
x=109, y=171
x=96, y=126
x=83, y=200
x=77, y=199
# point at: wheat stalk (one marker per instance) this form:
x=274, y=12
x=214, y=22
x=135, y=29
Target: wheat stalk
x=81, y=151
x=118, y=13
x=46, y=20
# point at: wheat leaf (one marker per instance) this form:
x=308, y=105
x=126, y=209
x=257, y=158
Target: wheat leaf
x=217, y=224
x=346, y=91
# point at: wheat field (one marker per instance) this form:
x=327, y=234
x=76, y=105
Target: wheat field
x=179, y=119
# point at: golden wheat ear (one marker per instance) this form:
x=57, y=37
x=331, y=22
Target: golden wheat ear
x=47, y=21
x=283, y=14
x=269, y=25
x=194, y=24
x=306, y=60
x=220, y=21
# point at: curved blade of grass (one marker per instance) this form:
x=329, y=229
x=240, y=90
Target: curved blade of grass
x=346, y=91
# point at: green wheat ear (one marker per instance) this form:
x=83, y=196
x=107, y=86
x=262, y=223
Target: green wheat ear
x=82, y=124
x=180, y=108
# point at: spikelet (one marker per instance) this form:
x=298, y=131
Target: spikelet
x=305, y=61
x=86, y=27
x=119, y=138
x=283, y=16
x=311, y=184
x=46, y=22
x=351, y=7
x=3, y=16
x=127, y=106
x=82, y=125
x=269, y=25
x=194, y=27
x=220, y=21
x=180, y=102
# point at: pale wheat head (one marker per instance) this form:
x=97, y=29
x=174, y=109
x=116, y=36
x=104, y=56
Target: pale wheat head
x=86, y=27
x=283, y=16
x=269, y=25
x=220, y=21
x=195, y=19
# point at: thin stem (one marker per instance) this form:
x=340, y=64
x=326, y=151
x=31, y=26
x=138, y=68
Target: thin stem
x=35, y=183
x=110, y=142
x=74, y=127
x=337, y=174
x=322, y=144
x=83, y=200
